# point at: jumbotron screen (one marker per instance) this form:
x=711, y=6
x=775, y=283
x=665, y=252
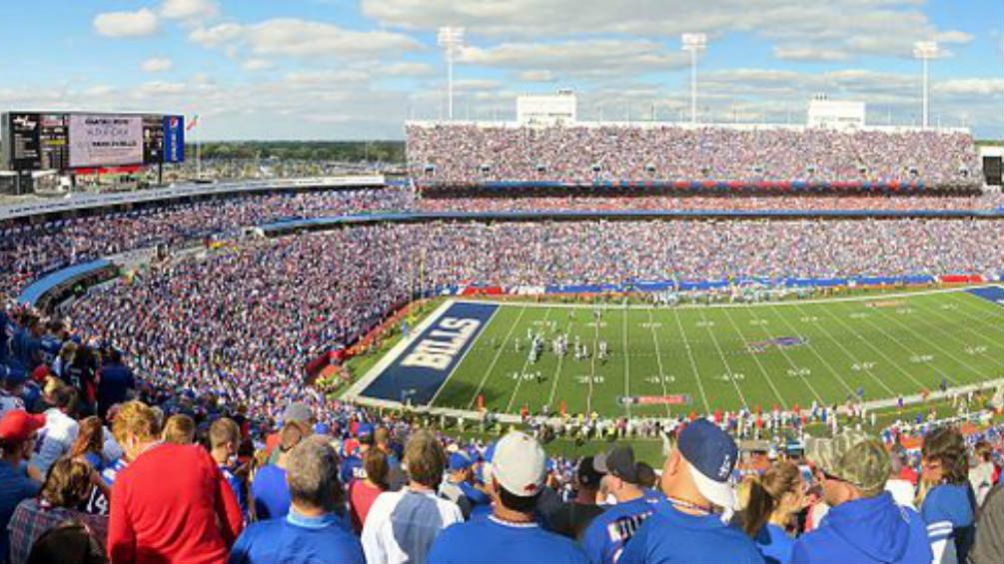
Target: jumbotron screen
x=61, y=141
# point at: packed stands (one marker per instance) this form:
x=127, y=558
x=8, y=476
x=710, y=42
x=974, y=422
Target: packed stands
x=445, y=155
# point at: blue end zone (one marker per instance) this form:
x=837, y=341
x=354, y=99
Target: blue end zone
x=993, y=294
x=423, y=367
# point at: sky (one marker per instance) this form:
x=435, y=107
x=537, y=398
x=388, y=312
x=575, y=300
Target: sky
x=358, y=69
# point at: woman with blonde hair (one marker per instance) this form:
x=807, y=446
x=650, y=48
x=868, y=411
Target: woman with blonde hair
x=774, y=499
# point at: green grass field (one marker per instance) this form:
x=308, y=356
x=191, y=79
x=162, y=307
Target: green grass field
x=819, y=350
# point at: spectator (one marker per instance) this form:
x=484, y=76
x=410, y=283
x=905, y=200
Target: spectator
x=224, y=441
x=982, y=474
x=296, y=412
x=171, y=502
x=774, y=499
x=70, y=542
x=864, y=524
x=510, y=533
x=571, y=519
x=18, y=432
x=312, y=531
x=605, y=538
x=115, y=382
x=60, y=431
x=949, y=507
x=352, y=467
x=988, y=548
x=11, y=388
x=689, y=528
x=179, y=429
x=67, y=488
x=269, y=492
x=401, y=525
x=362, y=493
x=458, y=475
x=902, y=490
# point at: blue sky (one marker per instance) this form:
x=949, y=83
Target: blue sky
x=341, y=69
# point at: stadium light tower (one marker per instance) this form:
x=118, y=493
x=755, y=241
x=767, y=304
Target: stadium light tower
x=451, y=39
x=695, y=43
x=925, y=51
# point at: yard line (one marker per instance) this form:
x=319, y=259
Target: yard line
x=468, y=351
x=896, y=365
x=766, y=375
x=526, y=363
x=693, y=364
x=791, y=363
x=658, y=359
x=721, y=355
x=850, y=355
x=592, y=362
x=930, y=342
x=993, y=326
x=557, y=371
x=627, y=365
x=964, y=326
x=496, y=358
x=815, y=352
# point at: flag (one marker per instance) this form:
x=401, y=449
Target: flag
x=191, y=125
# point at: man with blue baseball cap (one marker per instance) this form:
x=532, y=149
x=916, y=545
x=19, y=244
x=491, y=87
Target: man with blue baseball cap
x=12, y=381
x=690, y=527
x=605, y=538
x=352, y=468
x=458, y=473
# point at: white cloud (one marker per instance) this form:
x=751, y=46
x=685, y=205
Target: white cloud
x=406, y=69
x=156, y=64
x=804, y=53
x=140, y=23
x=189, y=9
x=216, y=35
x=537, y=75
x=257, y=64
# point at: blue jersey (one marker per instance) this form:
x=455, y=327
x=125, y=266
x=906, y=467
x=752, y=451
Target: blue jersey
x=237, y=487
x=351, y=469
x=671, y=537
x=5, y=333
x=604, y=539
x=49, y=347
x=297, y=539
x=270, y=493
x=775, y=545
x=949, y=512
x=492, y=540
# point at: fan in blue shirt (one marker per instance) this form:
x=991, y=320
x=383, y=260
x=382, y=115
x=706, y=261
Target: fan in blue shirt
x=509, y=534
x=312, y=531
x=604, y=539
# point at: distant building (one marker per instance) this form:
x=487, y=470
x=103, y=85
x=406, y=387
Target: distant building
x=547, y=109
x=833, y=114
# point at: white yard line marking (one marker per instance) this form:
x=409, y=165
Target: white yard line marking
x=721, y=355
x=791, y=363
x=815, y=352
x=526, y=363
x=658, y=359
x=766, y=375
x=693, y=364
x=496, y=358
x=850, y=355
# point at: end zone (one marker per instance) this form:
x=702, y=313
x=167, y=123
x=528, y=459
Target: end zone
x=416, y=368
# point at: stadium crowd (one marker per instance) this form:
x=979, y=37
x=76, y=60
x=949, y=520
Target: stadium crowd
x=461, y=154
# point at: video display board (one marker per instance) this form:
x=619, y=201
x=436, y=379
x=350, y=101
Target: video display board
x=61, y=141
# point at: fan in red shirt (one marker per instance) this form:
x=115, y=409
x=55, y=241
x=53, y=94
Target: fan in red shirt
x=362, y=493
x=172, y=503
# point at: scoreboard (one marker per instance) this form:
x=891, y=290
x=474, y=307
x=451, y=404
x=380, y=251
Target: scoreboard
x=66, y=141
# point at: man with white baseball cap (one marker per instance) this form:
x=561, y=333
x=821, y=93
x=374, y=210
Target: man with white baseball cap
x=510, y=534
x=689, y=527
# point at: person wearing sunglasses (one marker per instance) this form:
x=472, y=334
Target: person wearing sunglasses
x=864, y=525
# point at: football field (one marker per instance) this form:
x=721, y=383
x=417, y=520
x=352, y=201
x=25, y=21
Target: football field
x=667, y=360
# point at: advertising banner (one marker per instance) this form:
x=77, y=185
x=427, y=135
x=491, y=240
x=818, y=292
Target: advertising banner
x=174, y=139
x=105, y=140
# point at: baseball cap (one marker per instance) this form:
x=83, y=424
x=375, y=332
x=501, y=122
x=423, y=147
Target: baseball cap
x=712, y=455
x=519, y=464
x=13, y=375
x=618, y=462
x=852, y=456
x=17, y=425
x=39, y=373
x=364, y=431
x=297, y=411
x=589, y=476
x=459, y=461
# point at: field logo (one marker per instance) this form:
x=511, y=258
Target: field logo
x=442, y=345
x=885, y=304
x=781, y=343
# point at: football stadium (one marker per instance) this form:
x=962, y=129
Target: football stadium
x=282, y=303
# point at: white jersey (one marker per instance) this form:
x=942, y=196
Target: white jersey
x=401, y=526
x=55, y=439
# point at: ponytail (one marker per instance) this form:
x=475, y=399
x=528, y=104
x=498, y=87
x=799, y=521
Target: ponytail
x=758, y=508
